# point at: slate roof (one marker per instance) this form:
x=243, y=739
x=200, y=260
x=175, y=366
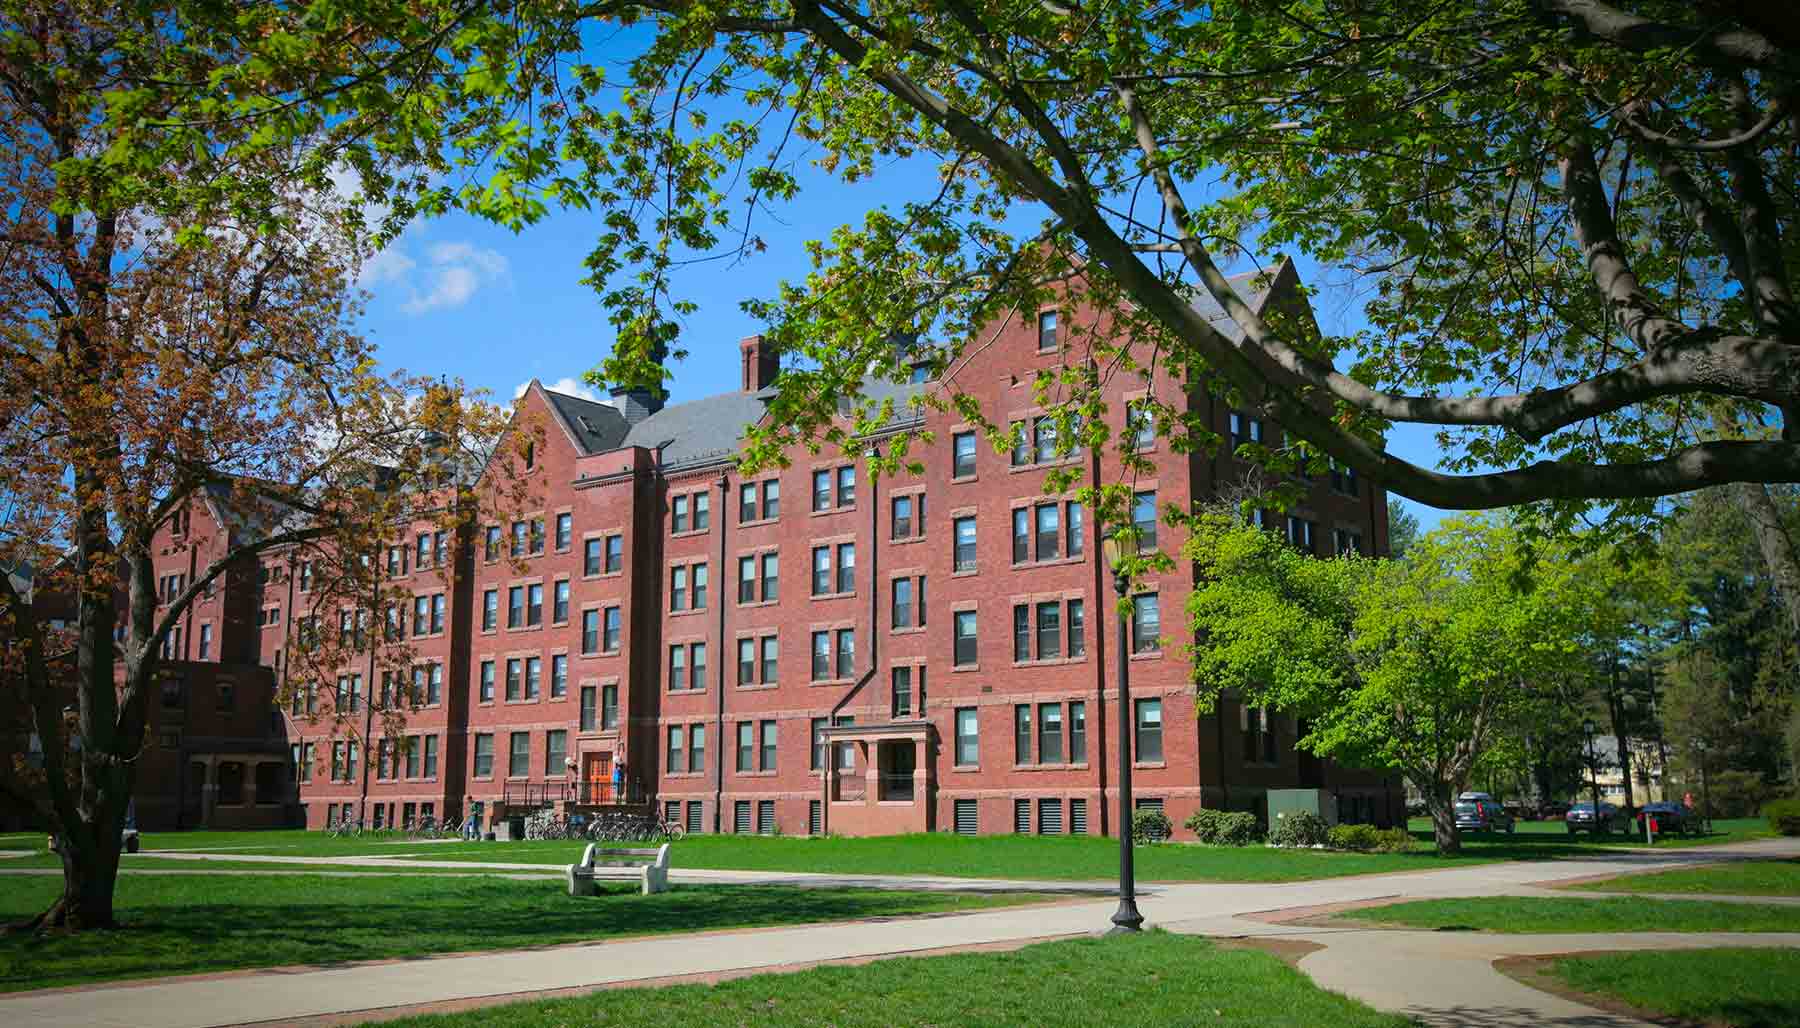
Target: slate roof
x=1255, y=293
x=598, y=427
x=709, y=428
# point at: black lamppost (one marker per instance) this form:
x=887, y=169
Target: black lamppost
x=1593, y=763
x=1701, y=747
x=1119, y=549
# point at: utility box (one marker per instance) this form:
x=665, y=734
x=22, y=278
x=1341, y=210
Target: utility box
x=1313, y=801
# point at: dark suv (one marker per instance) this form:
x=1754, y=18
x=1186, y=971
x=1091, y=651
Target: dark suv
x=1670, y=818
x=1479, y=812
x=1580, y=818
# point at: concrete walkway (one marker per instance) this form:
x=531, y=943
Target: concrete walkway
x=1441, y=978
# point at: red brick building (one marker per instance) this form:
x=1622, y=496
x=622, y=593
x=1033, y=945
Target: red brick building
x=804, y=649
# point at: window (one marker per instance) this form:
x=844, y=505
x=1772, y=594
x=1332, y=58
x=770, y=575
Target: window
x=767, y=754
x=1022, y=733
x=697, y=665
x=1043, y=439
x=205, y=642
x=559, y=675
x=534, y=605
x=702, y=511
x=846, y=486
x=821, y=581
x=902, y=693
x=968, y=737
x=515, y=678
x=484, y=755
x=609, y=640
x=1021, y=450
x=1245, y=429
x=559, y=603
x=1049, y=531
x=518, y=758
x=609, y=706
x=677, y=758
x=678, y=515
x=1046, y=323
x=1077, y=545
x=1078, y=733
x=963, y=646
x=615, y=553
x=903, y=603
x=490, y=609
x=846, y=653
x=565, y=530
x=821, y=492
x=590, y=716
x=1344, y=480
x=1146, y=623
x=1140, y=424
x=431, y=756
x=1259, y=734
x=515, y=607
x=1300, y=533
x=556, y=747
x=821, y=656
x=697, y=748
x=747, y=504
x=817, y=760
x=846, y=568
x=746, y=662
x=1348, y=541
x=964, y=551
x=1147, y=743
x=437, y=613
x=962, y=449
x=700, y=586
x=1021, y=633
x=678, y=679
x=1049, y=630
x=678, y=588
x=306, y=576
x=771, y=577
x=518, y=539
x=846, y=751
x=1143, y=518
x=1050, y=733
x=440, y=548
x=421, y=615
x=771, y=500
x=590, y=557
x=771, y=652
x=537, y=536
x=486, y=685
x=746, y=745
x=534, y=672
x=1021, y=535
x=1077, y=628
x=590, y=631
x=434, y=685
x=424, y=550
x=491, y=544
x=746, y=580
x=906, y=526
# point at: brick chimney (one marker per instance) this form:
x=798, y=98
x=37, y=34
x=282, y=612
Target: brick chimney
x=761, y=363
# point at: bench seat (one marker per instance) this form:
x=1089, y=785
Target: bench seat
x=649, y=866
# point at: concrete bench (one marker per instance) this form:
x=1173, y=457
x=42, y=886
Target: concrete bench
x=650, y=866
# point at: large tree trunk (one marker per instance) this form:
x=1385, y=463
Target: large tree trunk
x=1440, y=801
x=90, y=874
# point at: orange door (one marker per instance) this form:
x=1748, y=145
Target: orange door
x=597, y=772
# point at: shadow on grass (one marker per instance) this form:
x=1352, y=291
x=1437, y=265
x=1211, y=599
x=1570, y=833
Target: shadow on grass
x=186, y=926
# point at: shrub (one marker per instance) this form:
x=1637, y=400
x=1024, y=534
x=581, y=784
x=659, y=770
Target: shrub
x=1783, y=815
x=1224, y=827
x=1739, y=793
x=1393, y=840
x=1300, y=828
x=1355, y=838
x=1150, y=826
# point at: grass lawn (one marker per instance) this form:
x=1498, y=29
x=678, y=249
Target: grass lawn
x=129, y=863
x=1747, y=988
x=1744, y=878
x=1153, y=979
x=1530, y=915
x=183, y=925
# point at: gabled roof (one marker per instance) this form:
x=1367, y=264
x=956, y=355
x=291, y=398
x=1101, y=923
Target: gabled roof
x=1254, y=286
x=699, y=430
x=596, y=427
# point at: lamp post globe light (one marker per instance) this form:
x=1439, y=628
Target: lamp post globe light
x=1119, y=549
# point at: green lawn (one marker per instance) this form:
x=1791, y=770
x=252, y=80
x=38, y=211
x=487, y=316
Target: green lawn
x=1743, y=878
x=1154, y=979
x=184, y=925
x=1530, y=915
x=1746, y=988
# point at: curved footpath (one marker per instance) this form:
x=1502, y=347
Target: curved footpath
x=1440, y=978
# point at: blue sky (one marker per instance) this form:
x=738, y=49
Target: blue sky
x=459, y=297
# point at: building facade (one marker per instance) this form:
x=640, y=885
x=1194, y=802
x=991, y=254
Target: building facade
x=805, y=649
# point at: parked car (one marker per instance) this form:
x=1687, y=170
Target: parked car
x=1552, y=810
x=1479, y=812
x=1580, y=818
x=1671, y=818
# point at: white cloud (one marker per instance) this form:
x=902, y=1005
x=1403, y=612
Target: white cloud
x=451, y=274
x=389, y=265
x=567, y=385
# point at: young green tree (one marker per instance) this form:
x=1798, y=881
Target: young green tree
x=1403, y=528
x=1414, y=666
